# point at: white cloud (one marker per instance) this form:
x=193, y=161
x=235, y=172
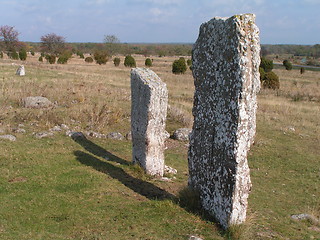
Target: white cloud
x=98, y=2
x=159, y=2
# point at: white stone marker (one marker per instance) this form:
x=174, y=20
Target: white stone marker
x=149, y=100
x=21, y=71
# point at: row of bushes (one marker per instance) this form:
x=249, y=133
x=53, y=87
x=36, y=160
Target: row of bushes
x=22, y=55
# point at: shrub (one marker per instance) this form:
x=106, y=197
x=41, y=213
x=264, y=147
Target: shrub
x=271, y=80
x=302, y=70
x=14, y=55
x=88, y=59
x=40, y=59
x=179, y=66
x=189, y=62
x=287, y=64
x=101, y=57
x=129, y=61
x=116, y=61
x=148, y=62
x=23, y=54
x=262, y=74
x=63, y=59
x=51, y=58
x=266, y=64
x=1, y=54
x=32, y=52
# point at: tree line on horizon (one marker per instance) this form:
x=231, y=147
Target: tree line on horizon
x=56, y=45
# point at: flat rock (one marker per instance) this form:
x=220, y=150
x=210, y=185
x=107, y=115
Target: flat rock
x=95, y=134
x=36, y=102
x=75, y=135
x=8, y=137
x=18, y=130
x=40, y=135
x=170, y=170
x=115, y=135
x=182, y=134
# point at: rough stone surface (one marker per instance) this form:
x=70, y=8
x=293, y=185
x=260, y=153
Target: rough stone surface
x=182, y=134
x=149, y=96
x=40, y=135
x=18, y=130
x=115, y=135
x=8, y=137
x=129, y=136
x=170, y=170
x=75, y=135
x=36, y=102
x=226, y=77
x=21, y=71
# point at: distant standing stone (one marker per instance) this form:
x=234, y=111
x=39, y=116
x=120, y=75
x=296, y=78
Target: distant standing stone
x=36, y=102
x=21, y=71
x=149, y=96
x=226, y=58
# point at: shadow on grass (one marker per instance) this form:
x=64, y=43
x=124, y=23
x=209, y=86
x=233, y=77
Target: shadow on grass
x=187, y=199
x=139, y=186
x=98, y=151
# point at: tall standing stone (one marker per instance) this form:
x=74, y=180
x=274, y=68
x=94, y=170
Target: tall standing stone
x=226, y=77
x=149, y=98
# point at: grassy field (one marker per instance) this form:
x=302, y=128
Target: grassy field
x=58, y=188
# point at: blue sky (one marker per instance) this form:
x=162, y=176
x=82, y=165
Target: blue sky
x=158, y=21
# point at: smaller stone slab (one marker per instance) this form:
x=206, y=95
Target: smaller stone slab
x=21, y=71
x=149, y=96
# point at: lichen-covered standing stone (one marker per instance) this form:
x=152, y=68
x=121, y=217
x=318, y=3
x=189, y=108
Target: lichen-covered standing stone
x=149, y=98
x=226, y=77
x=21, y=71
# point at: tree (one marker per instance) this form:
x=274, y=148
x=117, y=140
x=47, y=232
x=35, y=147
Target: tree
x=101, y=57
x=179, y=66
x=112, y=43
x=271, y=80
x=111, y=39
x=287, y=64
x=266, y=64
x=8, y=38
x=148, y=62
x=116, y=61
x=53, y=44
x=23, y=54
x=129, y=61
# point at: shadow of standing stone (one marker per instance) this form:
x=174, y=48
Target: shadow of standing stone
x=226, y=77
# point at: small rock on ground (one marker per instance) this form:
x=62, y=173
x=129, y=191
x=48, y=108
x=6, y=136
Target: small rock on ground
x=95, y=134
x=36, y=102
x=182, y=134
x=170, y=170
x=194, y=238
x=75, y=135
x=18, y=130
x=115, y=135
x=40, y=135
x=8, y=137
x=305, y=216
